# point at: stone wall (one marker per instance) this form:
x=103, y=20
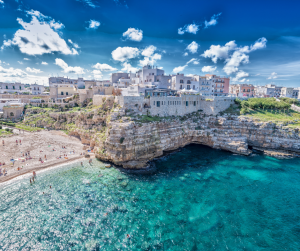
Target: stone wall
x=24, y=98
x=216, y=105
x=12, y=112
x=100, y=99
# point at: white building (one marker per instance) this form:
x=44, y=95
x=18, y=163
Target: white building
x=180, y=82
x=37, y=89
x=12, y=88
x=287, y=92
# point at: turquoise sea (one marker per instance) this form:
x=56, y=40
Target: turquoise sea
x=197, y=199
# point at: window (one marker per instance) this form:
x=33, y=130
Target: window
x=158, y=103
x=168, y=102
x=194, y=103
x=188, y=81
x=181, y=81
x=6, y=87
x=153, y=102
x=62, y=93
x=67, y=93
x=11, y=114
x=187, y=103
x=13, y=87
x=193, y=87
x=180, y=87
x=188, y=87
x=20, y=88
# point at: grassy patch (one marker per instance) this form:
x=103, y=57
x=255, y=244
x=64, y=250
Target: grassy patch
x=28, y=128
x=273, y=115
x=232, y=110
x=4, y=132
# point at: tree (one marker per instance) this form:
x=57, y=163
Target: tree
x=116, y=92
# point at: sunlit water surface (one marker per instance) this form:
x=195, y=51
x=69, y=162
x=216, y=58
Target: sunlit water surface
x=198, y=199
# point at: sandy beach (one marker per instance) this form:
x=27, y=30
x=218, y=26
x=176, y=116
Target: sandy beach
x=44, y=149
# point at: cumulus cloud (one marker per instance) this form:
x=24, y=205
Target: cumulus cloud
x=97, y=74
x=74, y=44
x=193, y=60
x=44, y=63
x=239, y=75
x=128, y=68
x=133, y=34
x=122, y=54
x=33, y=70
x=17, y=75
x=273, y=75
x=68, y=69
x=104, y=67
x=185, y=54
x=213, y=21
x=208, y=68
x=93, y=24
x=56, y=25
x=179, y=68
x=192, y=47
x=2, y=3
x=189, y=28
x=20, y=62
x=233, y=55
x=26, y=59
x=150, y=57
x=37, y=38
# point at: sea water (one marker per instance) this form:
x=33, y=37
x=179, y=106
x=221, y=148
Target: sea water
x=197, y=199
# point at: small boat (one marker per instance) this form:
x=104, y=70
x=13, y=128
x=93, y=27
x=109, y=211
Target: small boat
x=108, y=165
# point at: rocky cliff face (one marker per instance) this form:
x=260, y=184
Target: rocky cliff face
x=132, y=143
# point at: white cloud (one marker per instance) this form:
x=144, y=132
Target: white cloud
x=69, y=69
x=37, y=38
x=192, y=60
x=208, y=68
x=150, y=57
x=273, y=75
x=233, y=55
x=1, y=2
x=133, y=34
x=74, y=44
x=104, y=67
x=160, y=67
x=196, y=62
x=17, y=75
x=56, y=25
x=239, y=75
x=124, y=53
x=93, y=24
x=185, y=54
x=44, y=63
x=147, y=52
x=213, y=20
x=97, y=74
x=89, y=3
x=128, y=68
x=190, y=28
x=27, y=59
x=20, y=62
x=216, y=52
x=36, y=13
x=234, y=62
x=33, y=70
x=179, y=68
x=192, y=47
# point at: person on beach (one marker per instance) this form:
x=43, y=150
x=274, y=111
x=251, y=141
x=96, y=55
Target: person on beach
x=16, y=141
x=30, y=182
x=34, y=174
x=3, y=142
x=45, y=157
x=20, y=142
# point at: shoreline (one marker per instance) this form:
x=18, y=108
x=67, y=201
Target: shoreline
x=19, y=176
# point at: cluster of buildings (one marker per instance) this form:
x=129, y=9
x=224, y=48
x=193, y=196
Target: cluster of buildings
x=147, y=90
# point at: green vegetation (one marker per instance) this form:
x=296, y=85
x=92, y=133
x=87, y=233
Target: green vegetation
x=28, y=128
x=274, y=115
x=5, y=132
x=290, y=101
x=147, y=119
x=232, y=110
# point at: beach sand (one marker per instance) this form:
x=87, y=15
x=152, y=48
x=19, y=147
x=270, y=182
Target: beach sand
x=39, y=144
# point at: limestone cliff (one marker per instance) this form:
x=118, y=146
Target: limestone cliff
x=131, y=142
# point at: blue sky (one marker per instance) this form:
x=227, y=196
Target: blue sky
x=254, y=42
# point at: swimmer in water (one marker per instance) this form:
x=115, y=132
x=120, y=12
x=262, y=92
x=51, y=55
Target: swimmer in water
x=50, y=187
x=128, y=236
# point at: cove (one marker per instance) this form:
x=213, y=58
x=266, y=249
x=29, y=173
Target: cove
x=197, y=199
